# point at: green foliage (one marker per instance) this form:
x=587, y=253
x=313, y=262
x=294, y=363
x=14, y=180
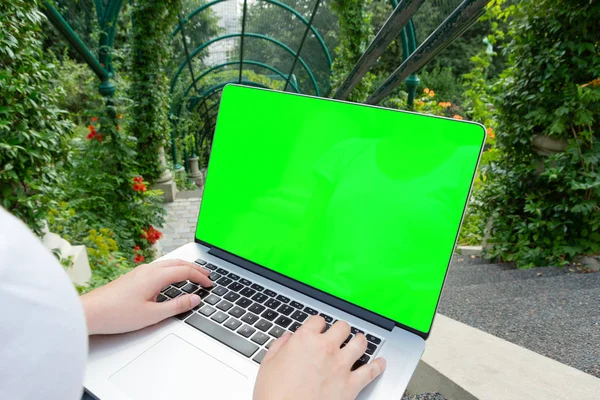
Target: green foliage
x=545, y=209
x=149, y=91
x=33, y=131
x=183, y=182
x=445, y=83
x=355, y=33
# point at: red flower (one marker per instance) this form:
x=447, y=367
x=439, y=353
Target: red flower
x=91, y=135
x=99, y=137
x=94, y=119
x=136, y=248
x=92, y=128
x=139, y=258
x=151, y=235
x=138, y=179
x=139, y=187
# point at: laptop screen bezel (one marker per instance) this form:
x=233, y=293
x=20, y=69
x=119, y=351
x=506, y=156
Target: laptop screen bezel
x=319, y=294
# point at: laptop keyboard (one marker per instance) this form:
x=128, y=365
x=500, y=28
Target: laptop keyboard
x=248, y=317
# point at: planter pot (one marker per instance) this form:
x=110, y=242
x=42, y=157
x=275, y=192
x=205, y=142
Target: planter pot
x=195, y=174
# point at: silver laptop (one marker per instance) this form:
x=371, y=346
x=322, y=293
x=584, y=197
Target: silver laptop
x=311, y=206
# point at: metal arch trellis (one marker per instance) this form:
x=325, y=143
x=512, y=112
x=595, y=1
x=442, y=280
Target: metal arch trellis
x=399, y=24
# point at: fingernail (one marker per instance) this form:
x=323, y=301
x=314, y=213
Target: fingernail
x=194, y=300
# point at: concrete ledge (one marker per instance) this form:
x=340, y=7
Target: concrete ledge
x=464, y=363
x=469, y=250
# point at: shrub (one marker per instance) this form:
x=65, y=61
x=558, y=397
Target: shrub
x=34, y=133
x=545, y=209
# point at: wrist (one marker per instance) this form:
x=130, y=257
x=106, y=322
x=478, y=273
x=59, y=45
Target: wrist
x=91, y=313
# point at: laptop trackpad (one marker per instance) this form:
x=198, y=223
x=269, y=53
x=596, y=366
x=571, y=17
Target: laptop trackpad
x=173, y=369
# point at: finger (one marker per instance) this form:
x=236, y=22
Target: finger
x=277, y=345
x=316, y=323
x=338, y=332
x=181, y=273
x=176, y=306
x=354, y=349
x=175, y=262
x=365, y=375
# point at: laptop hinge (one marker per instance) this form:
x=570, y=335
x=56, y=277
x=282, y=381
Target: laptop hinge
x=333, y=301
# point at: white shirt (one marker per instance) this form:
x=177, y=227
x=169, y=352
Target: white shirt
x=43, y=336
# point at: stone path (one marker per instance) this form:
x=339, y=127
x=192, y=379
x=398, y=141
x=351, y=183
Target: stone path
x=180, y=224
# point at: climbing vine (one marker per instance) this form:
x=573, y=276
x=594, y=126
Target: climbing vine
x=153, y=21
x=355, y=32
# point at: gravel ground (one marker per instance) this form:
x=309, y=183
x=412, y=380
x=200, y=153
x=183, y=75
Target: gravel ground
x=425, y=396
x=552, y=311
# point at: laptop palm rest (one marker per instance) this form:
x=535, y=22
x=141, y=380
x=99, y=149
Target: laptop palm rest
x=168, y=369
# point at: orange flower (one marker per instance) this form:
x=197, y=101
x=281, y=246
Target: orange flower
x=456, y=116
x=94, y=119
x=444, y=104
x=426, y=90
x=490, y=132
x=431, y=93
x=120, y=116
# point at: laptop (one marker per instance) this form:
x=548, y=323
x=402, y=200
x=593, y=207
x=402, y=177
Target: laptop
x=311, y=206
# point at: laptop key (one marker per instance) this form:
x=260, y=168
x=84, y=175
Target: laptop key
x=270, y=293
x=206, y=310
x=283, y=299
x=179, y=284
x=231, y=296
x=189, y=288
x=272, y=303
x=232, y=324
x=297, y=305
x=299, y=316
x=245, y=281
x=327, y=318
x=327, y=326
x=277, y=331
x=310, y=311
x=222, y=271
x=224, y=281
x=233, y=276
x=260, y=338
x=370, y=348
x=224, y=305
x=236, y=286
x=373, y=339
x=210, y=266
x=200, y=261
x=355, y=331
x=256, y=308
x=294, y=327
x=212, y=299
x=257, y=287
x=247, y=292
x=285, y=309
x=250, y=318
x=246, y=331
x=263, y=325
x=214, y=276
x=283, y=321
x=160, y=298
x=268, y=346
x=220, y=290
x=202, y=293
x=243, y=302
x=360, y=362
x=259, y=297
x=259, y=356
x=270, y=315
x=219, y=316
x=184, y=315
x=223, y=335
x=172, y=293
x=237, y=312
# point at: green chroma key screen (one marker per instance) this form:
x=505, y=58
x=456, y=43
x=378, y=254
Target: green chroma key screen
x=360, y=202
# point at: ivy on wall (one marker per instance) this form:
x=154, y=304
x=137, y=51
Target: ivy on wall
x=153, y=21
x=354, y=35
x=34, y=132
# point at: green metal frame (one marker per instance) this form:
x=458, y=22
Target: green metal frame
x=276, y=3
x=253, y=35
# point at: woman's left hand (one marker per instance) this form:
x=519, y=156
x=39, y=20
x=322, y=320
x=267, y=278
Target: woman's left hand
x=129, y=302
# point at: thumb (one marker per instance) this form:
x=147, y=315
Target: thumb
x=176, y=306
x=277, y=345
